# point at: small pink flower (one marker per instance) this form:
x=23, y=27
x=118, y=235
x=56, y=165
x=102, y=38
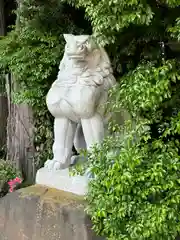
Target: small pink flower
x=12, y=183
x=18, y=180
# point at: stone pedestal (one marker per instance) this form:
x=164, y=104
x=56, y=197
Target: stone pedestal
x=61, y=180
x=41, y=213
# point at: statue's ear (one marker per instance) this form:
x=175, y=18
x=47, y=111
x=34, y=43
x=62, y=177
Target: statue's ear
x=68, y=37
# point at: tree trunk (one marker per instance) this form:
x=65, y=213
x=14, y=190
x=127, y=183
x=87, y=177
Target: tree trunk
x=2, y=19
x=3, y=97
x=20, y=148
x=3, y=121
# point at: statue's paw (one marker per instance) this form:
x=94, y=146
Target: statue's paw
x=49, y=164
x=57, y=165
x=52, y=165
x=74, y=159
x=77, y=159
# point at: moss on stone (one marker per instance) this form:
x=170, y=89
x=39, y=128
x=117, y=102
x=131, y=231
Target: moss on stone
x=52, y=195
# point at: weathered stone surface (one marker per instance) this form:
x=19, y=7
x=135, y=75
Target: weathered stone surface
x=41, y=213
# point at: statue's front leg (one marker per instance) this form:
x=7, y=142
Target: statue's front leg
x=64, y=130
x=93, y=129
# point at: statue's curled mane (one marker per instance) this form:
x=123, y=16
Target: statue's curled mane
x=97, y=60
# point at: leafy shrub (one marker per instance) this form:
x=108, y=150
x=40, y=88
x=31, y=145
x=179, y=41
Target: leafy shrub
x=7, y=172
x=136, y=190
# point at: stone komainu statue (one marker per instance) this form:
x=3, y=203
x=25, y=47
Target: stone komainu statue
x=75, y=99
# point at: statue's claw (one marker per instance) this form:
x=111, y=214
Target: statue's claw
x=52, y=165
x=74, y=159
x=57, y=166
x=47, y=163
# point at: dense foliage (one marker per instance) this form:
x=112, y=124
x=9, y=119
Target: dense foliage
x=135, y=192
x=7, y=171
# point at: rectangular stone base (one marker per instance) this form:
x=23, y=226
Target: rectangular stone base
x=61, y=180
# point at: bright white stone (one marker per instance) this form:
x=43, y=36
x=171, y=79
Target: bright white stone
x=61, y=180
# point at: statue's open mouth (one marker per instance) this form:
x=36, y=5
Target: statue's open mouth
x=76, y=56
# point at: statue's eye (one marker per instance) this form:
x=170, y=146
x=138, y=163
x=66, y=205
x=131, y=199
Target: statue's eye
x=81, y=47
